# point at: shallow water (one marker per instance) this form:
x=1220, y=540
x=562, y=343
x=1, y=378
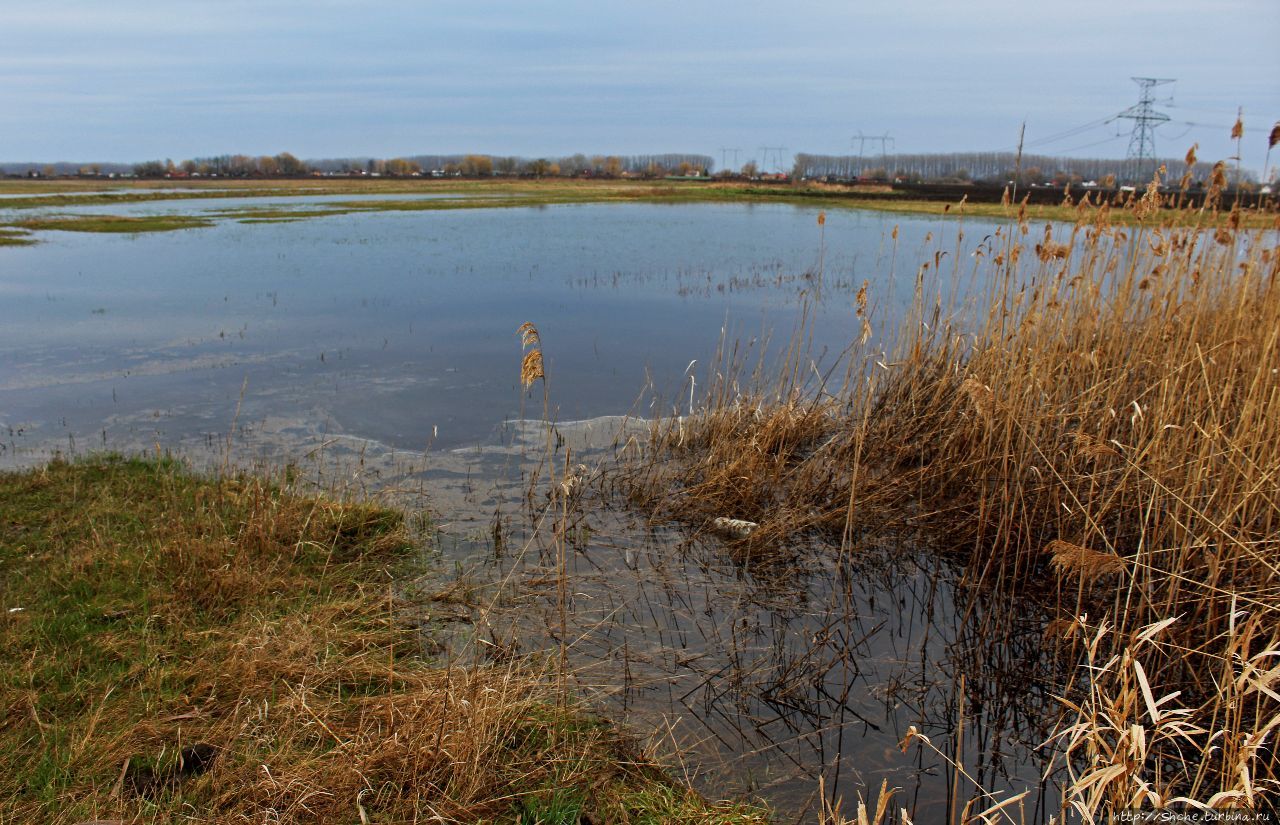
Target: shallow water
x=110, y=193
x=384, y=346
x=213, y=205
x=401, y=326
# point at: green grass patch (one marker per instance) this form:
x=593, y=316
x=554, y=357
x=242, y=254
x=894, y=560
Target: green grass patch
x=54, y=201
x=178, y=648
x=15, y=237
x=112, y=223
x=513, y=193
x=254, y=214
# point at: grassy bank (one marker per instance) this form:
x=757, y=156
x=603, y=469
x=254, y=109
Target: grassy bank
x=15, y=237
x=111, y=223
x=502, y=193
x=1098, y=432
x=181, y=649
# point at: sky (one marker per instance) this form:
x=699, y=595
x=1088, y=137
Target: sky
x=130, y=80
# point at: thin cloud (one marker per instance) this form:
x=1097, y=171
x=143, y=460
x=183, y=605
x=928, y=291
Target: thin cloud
x=339, y=77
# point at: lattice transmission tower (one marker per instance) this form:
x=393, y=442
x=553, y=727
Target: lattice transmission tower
x=885, y=141
x=1142, y=143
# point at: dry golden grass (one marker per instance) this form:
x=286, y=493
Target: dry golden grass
x=1104, y=411
x=880, y=814
x=1124, y=748
x=179, y=649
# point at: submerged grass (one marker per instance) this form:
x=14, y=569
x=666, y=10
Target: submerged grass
x=175, y=648
x=1098, y=432
x=112, y=223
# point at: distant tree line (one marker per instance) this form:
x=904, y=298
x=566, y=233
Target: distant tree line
x=477, y=165
x=991, y=167
x=473, y=165
x=226, y=166
x=978, y=167
x=63, y=168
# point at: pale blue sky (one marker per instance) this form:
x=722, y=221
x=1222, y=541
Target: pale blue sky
x=128, y=80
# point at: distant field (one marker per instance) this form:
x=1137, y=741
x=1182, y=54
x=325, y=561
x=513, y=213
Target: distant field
x=30, y=194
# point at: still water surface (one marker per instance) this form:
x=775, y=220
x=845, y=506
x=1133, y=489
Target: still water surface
x=400, y=327
x=390, y=337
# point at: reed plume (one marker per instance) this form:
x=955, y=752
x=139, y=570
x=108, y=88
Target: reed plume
x=531, y=368
x=1082, y=563
x=1272, y=140
x=528, y=335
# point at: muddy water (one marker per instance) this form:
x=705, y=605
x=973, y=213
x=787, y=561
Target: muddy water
x=378, y=352
x=754, y=680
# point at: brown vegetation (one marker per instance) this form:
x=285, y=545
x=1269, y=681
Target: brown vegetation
x=1097, y=430
x=178, y=649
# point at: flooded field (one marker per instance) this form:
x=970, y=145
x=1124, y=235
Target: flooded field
x=379, y=350
x=401, y=327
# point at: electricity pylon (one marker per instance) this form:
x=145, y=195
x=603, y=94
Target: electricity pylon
x=1142, y=143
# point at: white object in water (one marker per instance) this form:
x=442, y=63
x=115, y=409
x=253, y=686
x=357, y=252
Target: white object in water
x=733, y=527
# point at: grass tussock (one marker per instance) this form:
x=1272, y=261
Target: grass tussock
x=1096, y=428
x=178, y=649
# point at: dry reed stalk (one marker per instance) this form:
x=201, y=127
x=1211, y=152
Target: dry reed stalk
x=996, y=809
x=1268, y=174
x=1119, y=745
x=531, y=370
x=829, y=812
x=1124, y=392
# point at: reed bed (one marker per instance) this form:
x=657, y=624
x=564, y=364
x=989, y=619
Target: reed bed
x=1095, y=430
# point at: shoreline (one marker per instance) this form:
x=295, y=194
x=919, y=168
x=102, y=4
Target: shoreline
x=18, y=196
x=218, y=645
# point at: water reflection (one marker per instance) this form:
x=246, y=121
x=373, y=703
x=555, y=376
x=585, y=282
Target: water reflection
x=378, y=351
x=400, y=326
x=762, y=679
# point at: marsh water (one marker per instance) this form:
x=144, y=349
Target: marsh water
x=383, y=346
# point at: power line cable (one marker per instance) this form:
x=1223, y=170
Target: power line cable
x=1222, y=112
x=1075, y=131
x=1194, y=125
x=1068, y=133
x=1111, y=139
